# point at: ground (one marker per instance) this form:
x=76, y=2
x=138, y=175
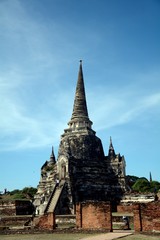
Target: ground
x=141, y=237
x=69, y=236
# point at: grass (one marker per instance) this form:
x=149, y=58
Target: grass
x=52, y=236
x=141, y=237
x=120, y=226
x=69, y=236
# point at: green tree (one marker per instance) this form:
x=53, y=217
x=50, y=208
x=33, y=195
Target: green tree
x=16, y=194
x=154, y=186
x=25, y=193
x=29, y=191
x=141, y=185
x=130, y=180
x=15, y=191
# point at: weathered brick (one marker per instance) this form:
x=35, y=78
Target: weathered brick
x=94, y=215
x=46, y=221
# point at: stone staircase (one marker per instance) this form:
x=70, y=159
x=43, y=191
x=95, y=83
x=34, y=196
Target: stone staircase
x=55, y=197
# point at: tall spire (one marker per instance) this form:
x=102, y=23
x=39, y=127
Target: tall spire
x=52, y=157
x=111, y=151
x=80, y=113
x=80, y=105
x=150, y=177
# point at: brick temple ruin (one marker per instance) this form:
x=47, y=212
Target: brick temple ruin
x=82, y=172
x=85, y=183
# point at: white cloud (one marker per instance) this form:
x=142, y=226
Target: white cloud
x=20, y=127
x=118, y=109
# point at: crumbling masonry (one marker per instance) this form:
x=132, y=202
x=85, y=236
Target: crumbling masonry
x=82, y=172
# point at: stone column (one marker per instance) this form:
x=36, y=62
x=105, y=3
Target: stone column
x=51, y=221
x=94, y=215
x=79, y=215
x=137, y=218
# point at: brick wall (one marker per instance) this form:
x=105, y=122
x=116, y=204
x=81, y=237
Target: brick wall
x=94, y=215
x=45, y=222
x=97, y=215
x=7, y=208
x=9, y=221
x=125, y=208
x=16, y=207
x=137, y=217
x=24, y=207
x=150, y=216
x=146, y=215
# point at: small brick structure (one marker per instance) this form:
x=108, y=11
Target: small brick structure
x=16, y=213
x=94, y=215
x=97, y=215
x=146, y=215
x=16, y=207
x=7, y=208
x=137, y=218
x=15, y=221
x=150, y=217
x=45, y=222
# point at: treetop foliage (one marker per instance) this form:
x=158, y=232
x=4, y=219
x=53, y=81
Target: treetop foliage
x=16, y=194
x=142, y=185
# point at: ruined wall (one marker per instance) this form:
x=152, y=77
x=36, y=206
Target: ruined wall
x=94, y=215
x=146, y=215
x=126, y=208
x=24, y=207
x=7, y=208
x=9, y=221
x=137, y=218
x=17, y=207
x=150, y=216
x=97, y=215
x=45, y=222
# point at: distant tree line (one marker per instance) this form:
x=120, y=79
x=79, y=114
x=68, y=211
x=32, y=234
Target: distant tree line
x=16, y=194
x=142, y=185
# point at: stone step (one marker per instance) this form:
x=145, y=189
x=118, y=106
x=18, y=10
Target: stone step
x=55, y=199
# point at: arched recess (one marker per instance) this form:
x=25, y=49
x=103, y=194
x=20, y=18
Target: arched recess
x=62, y=167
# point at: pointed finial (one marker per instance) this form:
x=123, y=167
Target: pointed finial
x=80, y=66
x=80, y=112
x=80, y=118
x=52, y=151
x=111, y=151
x=52, y=157
x=150, y=176
x=111, y=145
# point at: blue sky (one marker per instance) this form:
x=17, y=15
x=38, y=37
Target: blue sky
x=41, y=43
